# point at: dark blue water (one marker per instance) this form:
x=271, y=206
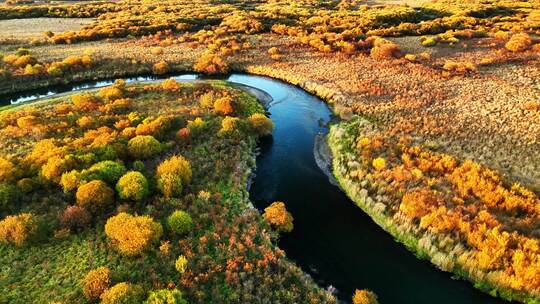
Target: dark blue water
x=333, y=240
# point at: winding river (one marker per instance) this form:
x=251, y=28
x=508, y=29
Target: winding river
x=333, y=240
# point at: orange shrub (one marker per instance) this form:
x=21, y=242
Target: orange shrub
x=132, y=234
x=7, y=170
x=111, y=93
x=153, y=126
x=417, y=202
x=173, y=175
x=95, y=282
x=211, y=63
x=44, y=150
x=224, y=106
x=54, y=168
x=277, y=216
x=364, y=297
x=160, y=68
x=170, y=85
x=385, y=51
x=182, y=134
x=519, y=43
x=95, y=196
x=17, y=229
x=24, y=61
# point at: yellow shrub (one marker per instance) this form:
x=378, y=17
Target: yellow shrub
x=17, y=229
x=261, y=124
x=519, y=43
x=54, y=168
x=228, y=124
x=170, y=85
x=132, y=186
x=7, y=170
x=132, y=234
x=143, y=146
x=379, y=163
x=85, y=102
x=95, y=196
x=44, y=150
x=111, y=93
x=123, y=293
x=211, y=63
x=364, y=297
x=181, y=264
x=172, y=175
x=85, y=122
x=95, y=282
x=277, y=216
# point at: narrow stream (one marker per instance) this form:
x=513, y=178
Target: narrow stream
x=333, y=240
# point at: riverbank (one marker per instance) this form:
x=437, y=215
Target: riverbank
x=372, y=195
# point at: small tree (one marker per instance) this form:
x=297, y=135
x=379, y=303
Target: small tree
x=132, y=234
x=277, y=216
x=95, y=282
x=133, y=186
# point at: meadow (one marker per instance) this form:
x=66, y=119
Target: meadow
x=436, y=137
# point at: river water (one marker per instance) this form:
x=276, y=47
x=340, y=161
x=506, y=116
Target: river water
x=333, y=240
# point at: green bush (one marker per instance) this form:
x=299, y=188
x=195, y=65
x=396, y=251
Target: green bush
x=122, y=293
x=133, y=186
x=166, y=296
x=9, y=197
x=180, y=222
x=143, y=147
x=108, y=171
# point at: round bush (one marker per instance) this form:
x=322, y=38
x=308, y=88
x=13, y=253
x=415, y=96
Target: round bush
x=132, y=234
x=277, y=216
x=261, y=124
x=108, y=171
x=180, y=222
x=143, y=147
x=166, y=296
x=123, y=293
x=95, y=282
x=95, y=196
x=17, y=229
x=75, y=217
x=172, y=175
x=132, y=186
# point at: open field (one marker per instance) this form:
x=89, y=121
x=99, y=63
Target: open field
x=439, y=126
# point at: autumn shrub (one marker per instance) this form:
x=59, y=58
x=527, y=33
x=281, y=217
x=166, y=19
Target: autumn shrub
x=459, y=67
x=153, y=126
x=95, y=282
x=165, y=296
x=55, y=167
x=132, y=234
x=70, y=180
x=8, y=171
x=75, y=218
x=229, y=124
x=26, y=185
x=173, y=175
x=133, y=186
x=364, y=297
x=95, y=196
x=261, y=124
x=519, y=42
x=385, y=50
x=210, y=63
x=224, y=105
x=170, y=85
x=161, y=68
x=277, y=216
x=379, y=163
x=183, y=135
x=143, y=146
x=180, y=222
x=17, y=229
x=25, y=60
x=181, y=264
x=416, y=202
x=123, y=293
x=108, y=171
x=111, y=93
x=207, y=99
x=85, y=102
